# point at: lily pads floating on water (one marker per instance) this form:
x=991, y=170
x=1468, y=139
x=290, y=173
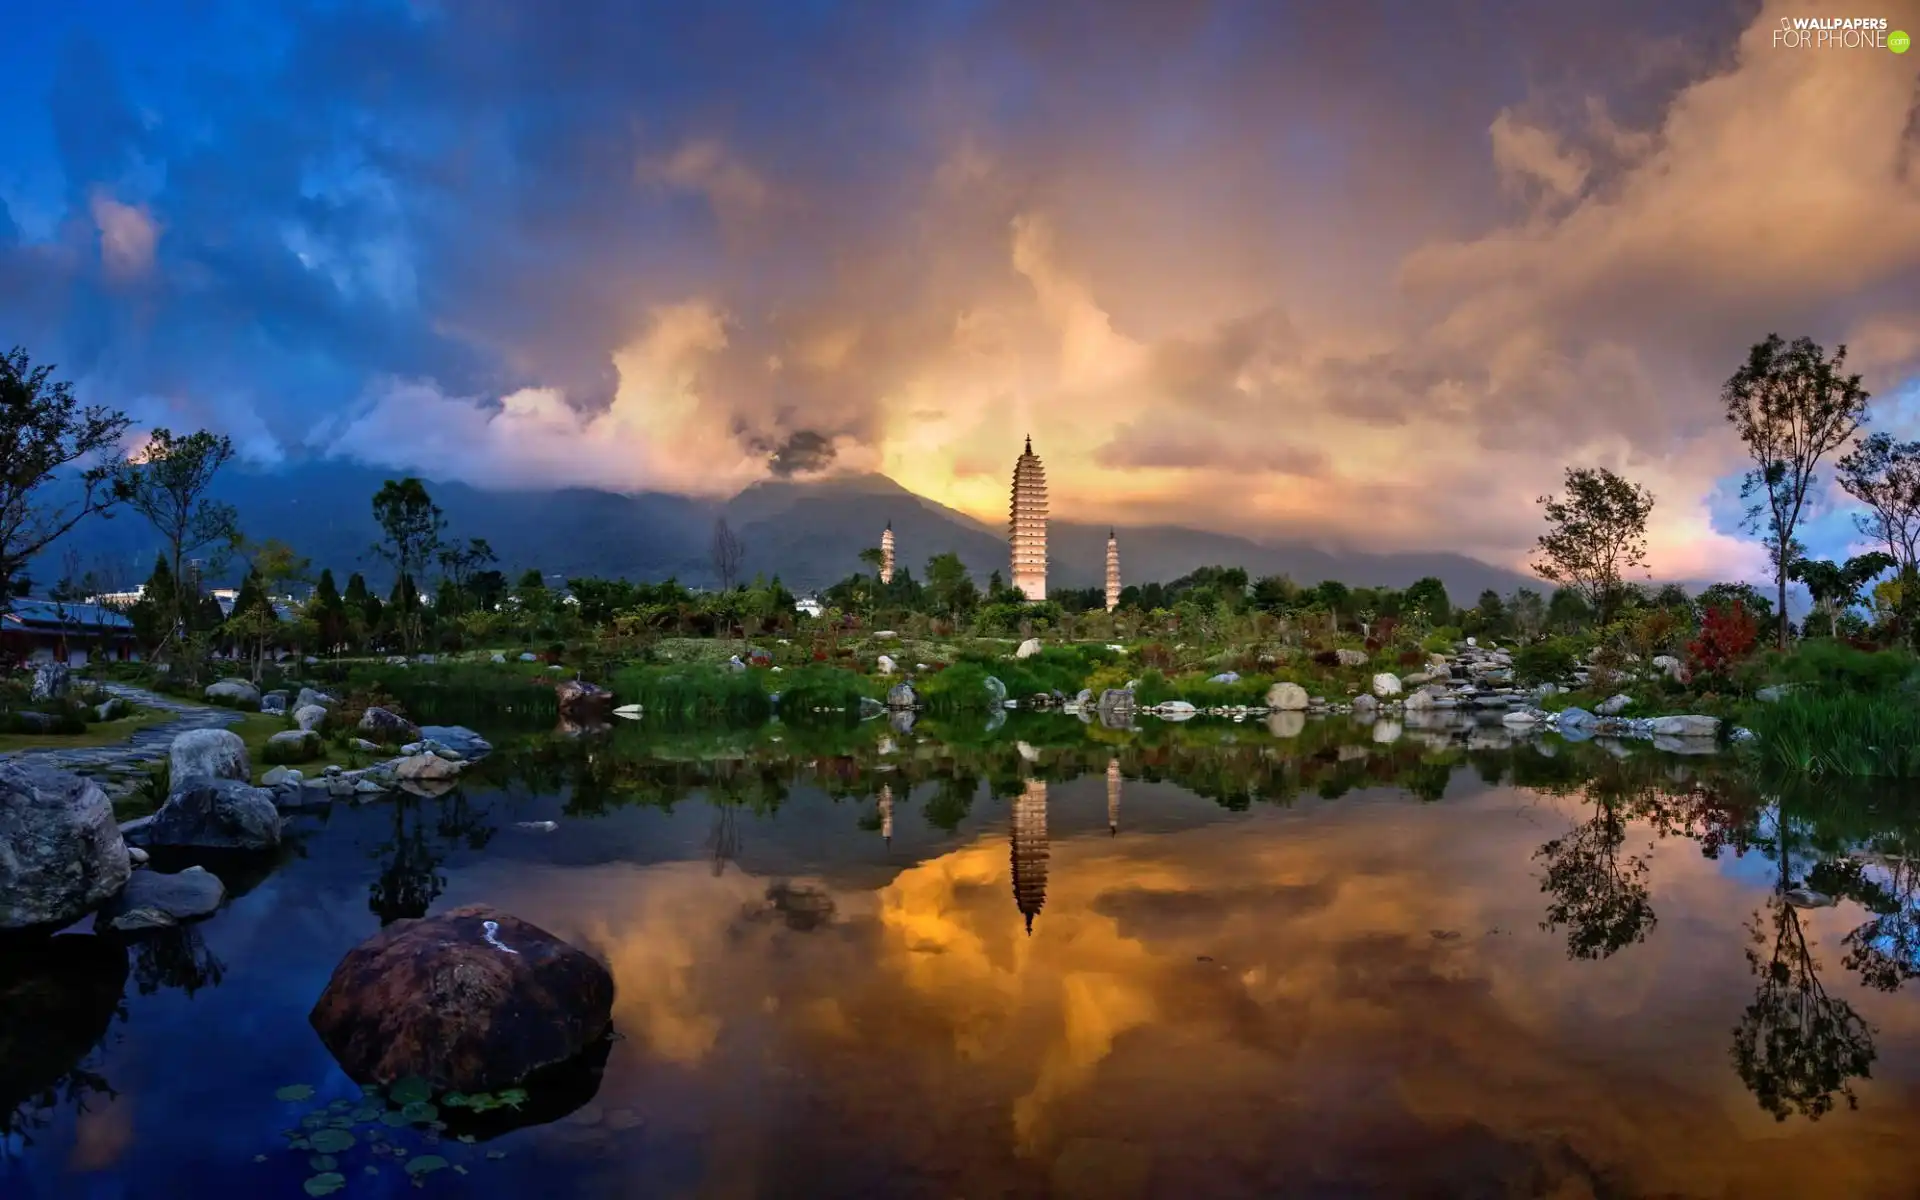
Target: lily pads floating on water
x=323, y=1162
x=365, y=1113
x=325, y=1184
x=294, y=1092
x=410, y=1090
x=331, y=1141
x=420, y=1112
x=425, y=1163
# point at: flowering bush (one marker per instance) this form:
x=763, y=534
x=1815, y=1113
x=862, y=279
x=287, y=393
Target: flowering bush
x=1728, y=634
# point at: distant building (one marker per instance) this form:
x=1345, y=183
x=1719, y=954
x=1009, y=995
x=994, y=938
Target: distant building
x=1030, y=851
x=120, y=600
x=886, y=554
x=809, y=606
x=40, y=631
x=1113, y=571
x=1027, y=525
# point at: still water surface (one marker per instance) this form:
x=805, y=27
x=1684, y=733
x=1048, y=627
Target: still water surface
x=1229, y=965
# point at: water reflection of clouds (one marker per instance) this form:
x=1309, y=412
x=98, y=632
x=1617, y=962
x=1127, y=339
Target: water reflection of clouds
x=1353, y=1000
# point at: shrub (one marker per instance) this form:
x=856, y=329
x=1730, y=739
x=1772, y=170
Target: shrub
x=1411, y=658
x=697, y=693
x=1326, y=658
x=1727, y=637
x=1442, y=640
x=1546, y=662
x=354, y=705
x=1839, y=666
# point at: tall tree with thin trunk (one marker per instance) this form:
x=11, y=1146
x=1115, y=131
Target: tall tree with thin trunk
x=44, y=432
x=1597, y=530
x=412, y=524
x=1792, y=406
x=727, y=553
x=166, y=481
x=1884, y=476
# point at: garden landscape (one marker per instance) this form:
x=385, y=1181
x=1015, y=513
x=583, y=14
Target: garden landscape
x=557, y=662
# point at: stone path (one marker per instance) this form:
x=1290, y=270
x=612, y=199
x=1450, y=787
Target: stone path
x=119, y=765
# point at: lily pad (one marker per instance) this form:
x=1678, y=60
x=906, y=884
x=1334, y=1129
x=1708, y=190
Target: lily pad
x=410, y=1090
x=340, y=1106
x=371, y=1169
x=299, y=1143
x=370, y=1090
x=394, y=1119
x=458, y=1169
x=323, y=1162
x=365, y=1113
x=496, y=1154
x=325, y=1184
x=454, y=1100
x=313, y=1121
x=331, y=1141
x=420, y=1112
x=514, y=1097
x=426, y=1163
x=294, y=1092
x=343, y=1121
x=467, y=1139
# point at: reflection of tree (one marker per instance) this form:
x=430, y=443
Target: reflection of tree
x=1796, y=1046
x=723, y=839
x=1884, y=952
x=952, y=799
x=58, y=998
x=175, y=958
x=410, y=879
x=1600, y=899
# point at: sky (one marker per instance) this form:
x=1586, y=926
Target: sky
x=1368, y=274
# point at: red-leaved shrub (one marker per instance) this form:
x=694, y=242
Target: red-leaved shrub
x=1727, y=635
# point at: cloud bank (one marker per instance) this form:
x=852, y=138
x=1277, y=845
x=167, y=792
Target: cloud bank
x=1227, y=264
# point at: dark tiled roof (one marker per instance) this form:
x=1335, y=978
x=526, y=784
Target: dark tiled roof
x=75, y=618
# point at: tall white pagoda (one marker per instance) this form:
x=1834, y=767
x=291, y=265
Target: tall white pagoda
x=1027, y=526
x=886, y=554
x=1113, y=571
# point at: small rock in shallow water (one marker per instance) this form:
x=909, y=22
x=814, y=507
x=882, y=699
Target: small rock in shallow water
x=155, y=900
x=537, y=826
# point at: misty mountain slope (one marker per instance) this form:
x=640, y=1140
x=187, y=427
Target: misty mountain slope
x=809, y=533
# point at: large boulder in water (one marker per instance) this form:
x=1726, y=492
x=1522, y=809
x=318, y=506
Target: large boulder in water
x=472, y=1000
x=153, y=900
x=1287, y=697
x=216, y=814
x=215, y=753
x=458, y=738
x=61, y=854
x=901, y=695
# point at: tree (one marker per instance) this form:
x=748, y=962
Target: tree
x=329, y=612
x=1426, y=600
x=156, y=607
x=726, y=552
x=1528, y=611
x=1884, y=475
x=166, y=482
x=1836, y=587
x=463, y=564
x=411, y=524
x=44, y=431
x=949, y=585
x=1594, y=532
x=1791, y=406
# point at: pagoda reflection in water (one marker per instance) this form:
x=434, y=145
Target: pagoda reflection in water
x=886, y=813
x=1030, y=850
x=1113, y=796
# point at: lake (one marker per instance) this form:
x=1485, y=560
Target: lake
x=1048, y=959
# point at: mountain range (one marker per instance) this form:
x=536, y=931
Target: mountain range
x=810, y=533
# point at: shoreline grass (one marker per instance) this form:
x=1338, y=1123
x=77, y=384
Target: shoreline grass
x=1840, y=735
x=99, y=734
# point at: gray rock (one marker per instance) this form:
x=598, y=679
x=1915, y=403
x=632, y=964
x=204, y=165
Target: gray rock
x=1364, y=704
x=295, y=741
x=61, y=854
x=499, y=658
x=1385, y=684
x=1350, y=658
x=309, y=697
x=1028, y=648
x=153, y=900
x=458, y=738
x=1613, y=706
x=383, y=726
x=218, y=753
x=1774, y=693
x=310, y=717
x=137, y=856
x=426, y=767
x=51, y=681
x=901, y=695
x=273, y=702
x=996, y=691
x=1685, y=726
x=236, y=692
x=1287, y=697
x=1225, y=677
x=1575, y=718
x=529, y=656
x=216, y=814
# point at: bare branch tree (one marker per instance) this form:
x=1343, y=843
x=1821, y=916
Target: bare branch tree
x=727, y=552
